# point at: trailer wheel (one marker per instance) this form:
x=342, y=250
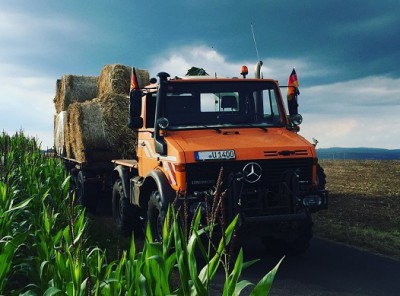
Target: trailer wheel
x=85, y=192
x=123, y=211
x=156, y=213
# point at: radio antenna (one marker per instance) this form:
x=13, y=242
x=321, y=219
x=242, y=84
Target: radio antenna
x=255, y=43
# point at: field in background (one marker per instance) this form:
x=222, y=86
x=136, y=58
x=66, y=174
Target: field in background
x=364, y=205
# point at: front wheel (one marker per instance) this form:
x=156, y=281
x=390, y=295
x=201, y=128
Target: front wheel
x=123, y=211
x=156, y=213
x=321, y=178
x=295, y=246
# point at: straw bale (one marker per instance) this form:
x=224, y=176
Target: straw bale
x=67, y=137
x=60, y=126
x=115, y=110
x=73, y=88
x=143, y=77
x=116, y=78
x=98, y=129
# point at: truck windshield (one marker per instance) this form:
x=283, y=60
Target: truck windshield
x=222, y=104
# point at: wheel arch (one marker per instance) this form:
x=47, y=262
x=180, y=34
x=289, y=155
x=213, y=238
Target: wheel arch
x=121, y=172
x=156, y=180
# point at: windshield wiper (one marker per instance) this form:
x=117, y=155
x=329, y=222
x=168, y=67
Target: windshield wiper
x=214, y=128
x=253, y=125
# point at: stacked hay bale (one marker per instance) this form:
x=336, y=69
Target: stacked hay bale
x=96, y=129
x=60, y=127
x=70, y=89
x=116, y=79
x=73, y=88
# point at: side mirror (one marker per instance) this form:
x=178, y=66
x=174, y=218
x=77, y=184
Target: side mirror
x=296, y=119
x=135, y=108
x=135, y=122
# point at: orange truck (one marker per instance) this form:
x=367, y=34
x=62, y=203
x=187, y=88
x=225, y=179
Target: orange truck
x=189, y=128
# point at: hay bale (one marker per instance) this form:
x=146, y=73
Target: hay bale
x=98, y=129
x=60, y=127
x=68, y=138
x=73, y=88
x=115, y=110
x=143, y=77
x=116, y=79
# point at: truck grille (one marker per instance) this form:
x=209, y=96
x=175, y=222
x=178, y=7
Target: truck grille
x=204, y=175
x=261, y=198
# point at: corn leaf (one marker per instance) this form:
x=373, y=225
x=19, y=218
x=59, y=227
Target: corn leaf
x=21, y=205
x=210, y=269
x=52, y=291
x=240, y=286
x=235, y=274
x=264, y=285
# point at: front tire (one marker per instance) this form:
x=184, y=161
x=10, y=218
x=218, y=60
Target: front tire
x=291, y=247
x=123, y=211
x=321, y=178
x=156, y=213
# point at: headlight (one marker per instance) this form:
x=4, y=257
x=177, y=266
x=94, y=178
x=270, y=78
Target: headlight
x=312, y=201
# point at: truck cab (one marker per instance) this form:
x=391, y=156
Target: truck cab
x=194, y=131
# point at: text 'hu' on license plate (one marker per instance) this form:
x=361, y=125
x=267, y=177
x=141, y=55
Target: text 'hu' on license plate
x=215, y=155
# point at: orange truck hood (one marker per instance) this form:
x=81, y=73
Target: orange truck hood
x=248, y=143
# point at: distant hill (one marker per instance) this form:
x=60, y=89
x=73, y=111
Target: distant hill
x=358, y=153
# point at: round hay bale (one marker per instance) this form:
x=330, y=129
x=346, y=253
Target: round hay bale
x=74, y=112
x=115, y=110
x=98, y=129
x=73, y=88
x=60, y=126
x=143, y=77
x=116, y=78
x=67, y=137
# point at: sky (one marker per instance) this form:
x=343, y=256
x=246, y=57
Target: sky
x=346, y=55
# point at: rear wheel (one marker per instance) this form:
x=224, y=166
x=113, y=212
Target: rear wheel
x=123, y=211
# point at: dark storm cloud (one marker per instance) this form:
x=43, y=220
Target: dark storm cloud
x=352, y=39
x=346, y=53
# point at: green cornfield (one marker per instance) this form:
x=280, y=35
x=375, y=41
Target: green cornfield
x=44, y=241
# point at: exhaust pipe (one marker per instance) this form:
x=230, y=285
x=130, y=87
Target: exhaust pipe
x=257, y=70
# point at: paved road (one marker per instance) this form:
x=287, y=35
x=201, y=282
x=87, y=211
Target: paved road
x=326, y=269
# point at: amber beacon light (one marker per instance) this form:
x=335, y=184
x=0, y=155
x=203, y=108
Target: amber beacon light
x=244, y=71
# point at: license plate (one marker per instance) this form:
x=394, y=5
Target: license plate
x=215, y=155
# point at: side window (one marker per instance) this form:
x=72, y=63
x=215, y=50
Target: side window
x=269, y=103
x=270, y=106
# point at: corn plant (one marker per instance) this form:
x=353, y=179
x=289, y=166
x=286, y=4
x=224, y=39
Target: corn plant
x=43, y=240
x=10, y=238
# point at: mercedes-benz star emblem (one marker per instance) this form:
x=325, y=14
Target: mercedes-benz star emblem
x=252, y=172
